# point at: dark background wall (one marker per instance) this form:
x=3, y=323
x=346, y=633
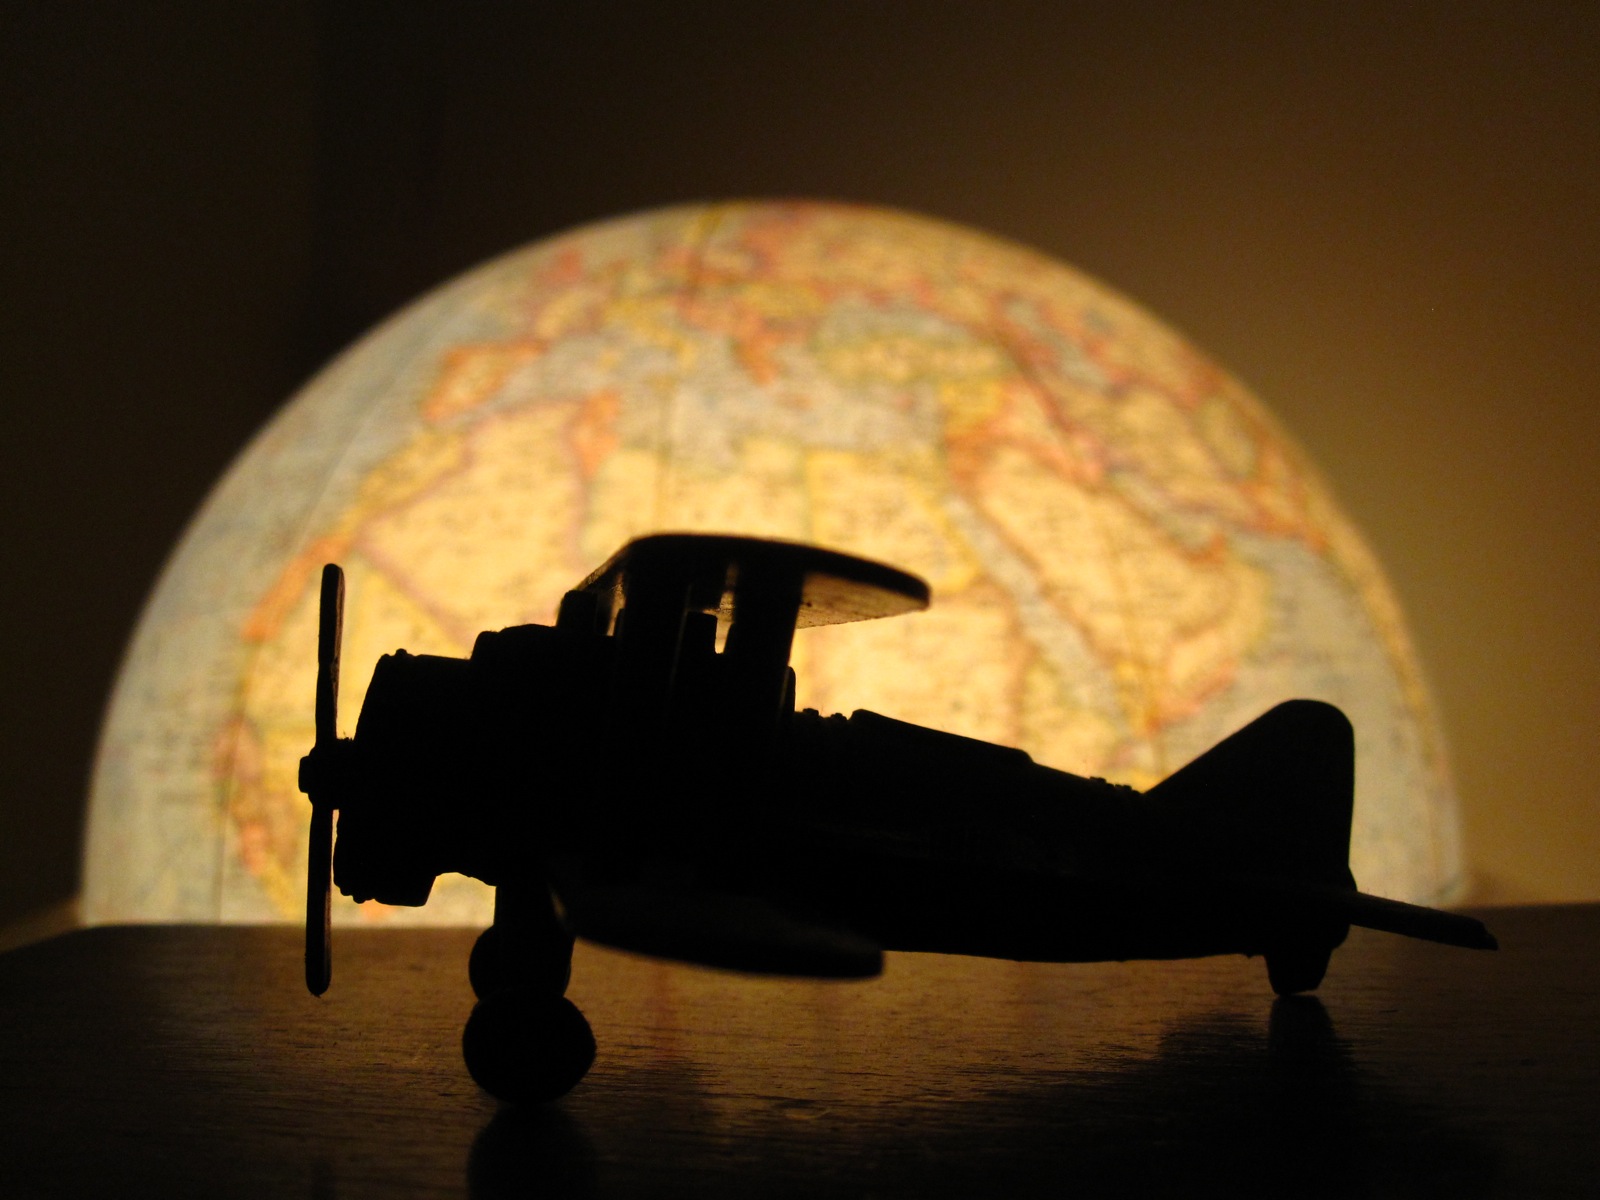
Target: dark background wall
x=1381, y=215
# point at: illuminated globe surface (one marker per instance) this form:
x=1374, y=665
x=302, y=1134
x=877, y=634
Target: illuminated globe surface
x=1129, y=559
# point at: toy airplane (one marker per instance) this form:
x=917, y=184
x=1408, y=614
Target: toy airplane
x=617, y=777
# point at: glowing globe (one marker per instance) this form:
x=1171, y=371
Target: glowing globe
x=1129, y=558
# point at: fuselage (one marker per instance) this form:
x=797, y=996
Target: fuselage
x=906, y=836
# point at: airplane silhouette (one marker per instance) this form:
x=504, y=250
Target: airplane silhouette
x=618, y=777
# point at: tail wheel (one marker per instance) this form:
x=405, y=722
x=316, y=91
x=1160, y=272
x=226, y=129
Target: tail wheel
x=1297, y=970
x=524, y=1047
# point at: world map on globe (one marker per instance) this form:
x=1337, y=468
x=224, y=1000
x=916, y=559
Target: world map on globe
x=1129, y=558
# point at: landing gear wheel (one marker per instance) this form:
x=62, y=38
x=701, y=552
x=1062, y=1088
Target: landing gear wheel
x=524, y=1047
x=1297, y=970
x=511, y=956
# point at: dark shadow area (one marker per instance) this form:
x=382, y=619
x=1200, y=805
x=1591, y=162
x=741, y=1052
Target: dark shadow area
x=1220, y=1111
x=646, y=1129
x=187, y=1061
x=537, y=1150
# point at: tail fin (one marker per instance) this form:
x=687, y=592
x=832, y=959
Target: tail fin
x=1278, y=795
x=1271, y=812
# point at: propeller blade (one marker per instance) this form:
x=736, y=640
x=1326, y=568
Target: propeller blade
x=319, y=857
x=319, y=897
x=330, y=625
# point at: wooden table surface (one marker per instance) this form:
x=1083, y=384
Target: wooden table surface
x=189, y=1061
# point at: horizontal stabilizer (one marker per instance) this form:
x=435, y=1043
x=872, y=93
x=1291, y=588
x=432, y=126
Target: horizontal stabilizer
x=1415, y=920
x=1372, y=912
x=733, y=933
